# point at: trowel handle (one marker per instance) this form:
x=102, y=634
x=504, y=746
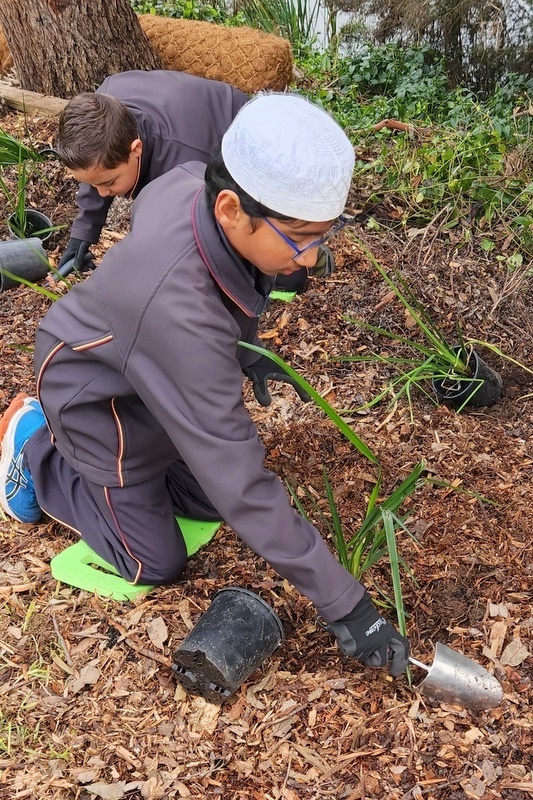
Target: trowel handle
x=65, y=270
x=418, y=663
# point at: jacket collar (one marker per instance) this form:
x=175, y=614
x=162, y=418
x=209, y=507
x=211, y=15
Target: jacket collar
x=237, y=278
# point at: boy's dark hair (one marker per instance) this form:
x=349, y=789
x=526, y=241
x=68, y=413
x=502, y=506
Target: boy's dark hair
x=217, y=178
x=95, y=130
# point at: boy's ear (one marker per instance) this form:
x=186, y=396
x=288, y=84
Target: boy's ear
x=228, y=209
x=136, y=147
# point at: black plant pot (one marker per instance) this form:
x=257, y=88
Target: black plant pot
x=35, y=223
x=483, y=389
x=22, y=258
x=234, y=636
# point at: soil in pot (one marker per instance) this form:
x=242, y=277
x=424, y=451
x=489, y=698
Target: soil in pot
x=484, y=388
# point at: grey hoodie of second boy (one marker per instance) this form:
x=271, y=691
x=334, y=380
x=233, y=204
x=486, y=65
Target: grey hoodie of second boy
x=180, y=118
x=154, y=370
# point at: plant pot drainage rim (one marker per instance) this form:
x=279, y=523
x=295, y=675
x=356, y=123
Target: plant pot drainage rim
x=36, y=221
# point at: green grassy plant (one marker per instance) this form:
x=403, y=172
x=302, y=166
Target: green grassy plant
x=341, y=425
x=434, y=358
x=464, y=166
x=34, y=286
x=449, y=172
x=377, y=534
x=360, y=552
x=17, y=156
x=295, y=20
x=13, y=151
x=16, y=200
x=375, y=538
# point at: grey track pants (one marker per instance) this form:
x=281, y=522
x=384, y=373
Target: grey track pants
x=132, y=527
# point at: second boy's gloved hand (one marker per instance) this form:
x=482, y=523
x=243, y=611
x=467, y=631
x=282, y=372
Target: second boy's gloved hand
x=324, y=267
x=367, y=636
x=265, y=370
x=77, y=257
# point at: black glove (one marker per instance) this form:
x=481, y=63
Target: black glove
x=367, y=636
x=77, y=257
x=264, y=370
x=292, y=283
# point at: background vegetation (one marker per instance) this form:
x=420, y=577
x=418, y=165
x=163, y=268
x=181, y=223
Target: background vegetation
x=463, y=166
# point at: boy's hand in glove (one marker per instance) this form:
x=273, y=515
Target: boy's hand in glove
x=266, y=370
x=367, y=636
x=77, y=257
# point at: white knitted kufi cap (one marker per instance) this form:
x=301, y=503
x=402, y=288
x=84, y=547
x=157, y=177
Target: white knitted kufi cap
x=291, y=156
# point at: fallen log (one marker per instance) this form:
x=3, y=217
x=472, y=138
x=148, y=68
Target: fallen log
x=30, y=102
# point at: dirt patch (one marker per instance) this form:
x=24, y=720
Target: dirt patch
x=89, y=704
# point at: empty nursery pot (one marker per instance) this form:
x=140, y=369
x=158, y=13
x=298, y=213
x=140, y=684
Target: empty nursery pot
x=236, y=634
x=483, y=389
x=38, y=225
x=22, y=258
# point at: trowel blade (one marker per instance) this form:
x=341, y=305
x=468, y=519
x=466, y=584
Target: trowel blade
x=454, y=678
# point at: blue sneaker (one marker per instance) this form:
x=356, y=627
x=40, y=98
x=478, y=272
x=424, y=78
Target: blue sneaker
x=17, y=494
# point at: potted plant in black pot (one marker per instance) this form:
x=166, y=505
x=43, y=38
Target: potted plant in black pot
x=22, y=256
x=22, y=222
x=471, y=382
x=455, y=371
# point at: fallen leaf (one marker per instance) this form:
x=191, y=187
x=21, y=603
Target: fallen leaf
x=84, y=775
x=387, y=298
x=397, y=770
x=113, y=791
x=152, y=789
x=410, y=321
x=88, y=676
x=183, y=608
x=181, y=789
x=157, y=632
x=474, y=787
x=514, y=653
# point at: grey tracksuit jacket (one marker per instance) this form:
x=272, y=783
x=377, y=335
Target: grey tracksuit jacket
x=180, y=118
x=153, y=370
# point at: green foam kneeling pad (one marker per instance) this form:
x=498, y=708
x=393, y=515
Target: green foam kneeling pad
x=78, y=565
x=197, y=533
x=285, y=297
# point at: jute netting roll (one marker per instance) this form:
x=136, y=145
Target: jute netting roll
x=6, y=59
x=248, y=59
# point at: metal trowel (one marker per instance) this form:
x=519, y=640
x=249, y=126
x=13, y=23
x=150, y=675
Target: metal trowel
x=454, y=678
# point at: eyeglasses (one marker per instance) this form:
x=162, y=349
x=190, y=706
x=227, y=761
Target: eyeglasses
x=337, y=226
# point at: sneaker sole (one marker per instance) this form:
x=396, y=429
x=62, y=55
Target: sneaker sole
x=13, y=412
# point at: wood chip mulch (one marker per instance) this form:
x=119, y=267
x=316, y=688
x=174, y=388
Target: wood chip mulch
x=89, y=705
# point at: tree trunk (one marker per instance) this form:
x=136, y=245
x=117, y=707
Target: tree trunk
x=63, y=47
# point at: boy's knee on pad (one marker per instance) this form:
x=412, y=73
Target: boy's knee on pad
x=162, y=573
